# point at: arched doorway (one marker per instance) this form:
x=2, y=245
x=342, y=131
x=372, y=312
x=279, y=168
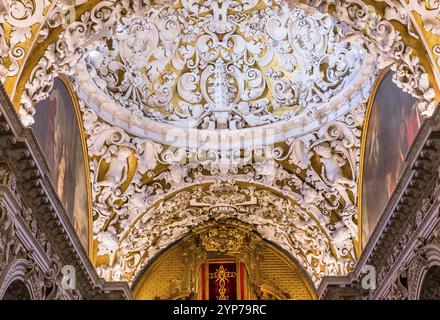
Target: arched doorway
x=17, y=290
x=430, y=289
x=223, y=260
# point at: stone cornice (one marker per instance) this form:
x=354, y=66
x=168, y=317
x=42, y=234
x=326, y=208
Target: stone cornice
x=423, y=230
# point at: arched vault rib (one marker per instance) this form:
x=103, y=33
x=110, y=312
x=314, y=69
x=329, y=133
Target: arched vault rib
x=275, y=217
x=136, y=179
x=235, y=239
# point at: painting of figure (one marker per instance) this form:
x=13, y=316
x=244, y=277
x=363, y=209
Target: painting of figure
x=392, y=127
x=58, y=133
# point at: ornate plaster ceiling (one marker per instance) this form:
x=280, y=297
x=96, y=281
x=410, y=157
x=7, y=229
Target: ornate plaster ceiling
x=290, y=69
x=198, y=110
x=300, y=195
x=214, y=68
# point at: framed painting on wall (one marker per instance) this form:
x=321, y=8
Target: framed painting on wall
x=57, y=130
x=392, y=126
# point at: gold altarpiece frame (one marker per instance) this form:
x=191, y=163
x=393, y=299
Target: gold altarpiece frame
x=227, y=241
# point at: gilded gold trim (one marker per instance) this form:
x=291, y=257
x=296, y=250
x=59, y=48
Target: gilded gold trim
x=295, y=266
x=83, y=137
x=150, y=276
x=370, y=102
x=16, y=85
x=206, y=293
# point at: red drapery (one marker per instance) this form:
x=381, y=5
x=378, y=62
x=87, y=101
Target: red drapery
x=222, y=280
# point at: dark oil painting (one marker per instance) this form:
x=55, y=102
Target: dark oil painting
x=57, y=130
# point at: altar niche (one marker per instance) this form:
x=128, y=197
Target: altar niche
x=223, y=260
x=223, y=279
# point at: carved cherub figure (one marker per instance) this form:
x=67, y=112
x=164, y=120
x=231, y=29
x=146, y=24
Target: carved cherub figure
x=118, y=168
x=332, y=173
x=175, y=176
x=107, y=245
x=115, y=176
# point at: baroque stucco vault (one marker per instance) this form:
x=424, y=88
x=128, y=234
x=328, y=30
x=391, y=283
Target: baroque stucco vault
x=196, y=110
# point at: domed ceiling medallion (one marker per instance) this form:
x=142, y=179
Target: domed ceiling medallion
x=225, y=74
